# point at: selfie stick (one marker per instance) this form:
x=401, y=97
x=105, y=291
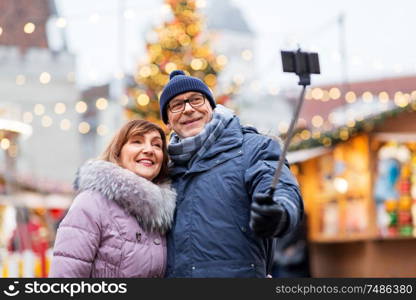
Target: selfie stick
x=305, y=79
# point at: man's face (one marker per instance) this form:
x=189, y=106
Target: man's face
x=191, y=121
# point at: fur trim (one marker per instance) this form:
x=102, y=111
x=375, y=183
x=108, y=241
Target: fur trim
x=153, y=205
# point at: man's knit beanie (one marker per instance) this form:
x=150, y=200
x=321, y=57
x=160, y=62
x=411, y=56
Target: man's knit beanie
x=180, y=83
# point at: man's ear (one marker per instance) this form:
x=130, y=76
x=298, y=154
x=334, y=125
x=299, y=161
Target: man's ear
x=168, y=126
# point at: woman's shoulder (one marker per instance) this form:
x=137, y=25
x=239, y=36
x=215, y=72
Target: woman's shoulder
x=89, y=198
x=89, y=202
x=87, y=212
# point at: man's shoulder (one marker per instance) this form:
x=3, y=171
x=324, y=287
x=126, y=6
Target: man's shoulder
x=255, y=140
x=252, y=134
x=247, y=129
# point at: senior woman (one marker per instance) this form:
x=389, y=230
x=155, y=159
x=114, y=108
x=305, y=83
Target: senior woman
x=117, y=223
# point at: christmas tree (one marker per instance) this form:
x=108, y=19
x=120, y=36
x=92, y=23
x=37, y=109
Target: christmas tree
x=179, y=43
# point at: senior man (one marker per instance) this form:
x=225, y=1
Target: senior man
x=225, y=223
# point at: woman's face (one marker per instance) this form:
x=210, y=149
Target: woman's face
x=143, y=154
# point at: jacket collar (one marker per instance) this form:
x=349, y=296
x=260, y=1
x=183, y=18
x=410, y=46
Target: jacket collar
x=225, y=147
x=153, y=205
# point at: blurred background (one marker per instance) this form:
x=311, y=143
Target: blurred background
x=72, y=72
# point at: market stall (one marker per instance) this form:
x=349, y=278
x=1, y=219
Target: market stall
x=30, y=209
x=359, y=188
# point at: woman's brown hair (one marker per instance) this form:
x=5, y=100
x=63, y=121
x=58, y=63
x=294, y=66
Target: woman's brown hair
x=130, y=129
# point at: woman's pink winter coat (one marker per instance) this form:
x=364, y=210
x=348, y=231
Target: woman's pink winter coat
x=115, y=227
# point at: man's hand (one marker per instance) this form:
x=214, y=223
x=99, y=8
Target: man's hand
x=268, y=217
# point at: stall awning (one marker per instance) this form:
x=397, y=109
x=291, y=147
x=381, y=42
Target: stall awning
x=37, y=200
x=15, y=126
x=302, y=155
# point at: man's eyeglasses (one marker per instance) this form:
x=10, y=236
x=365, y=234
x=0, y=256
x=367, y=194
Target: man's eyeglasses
x=176, y=106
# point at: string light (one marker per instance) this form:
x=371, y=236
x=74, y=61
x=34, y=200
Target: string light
x=317, y=121
x=29, y=28
x=81, y=107
x=39, y=109
x=334, y=93
x=184, y=40
x=5, y=143
x=192, y=29
x=143, y=100
x=45, y=78
x=317, y=93
x=326, y=141
x=325, y=96
x=367, y=97
x=154, y=70
x=65, y=124
x=101, y=103
x=341, y=185
x=383, y=97
x=1, y=30
x=196, y=64
x=344, y=134
x=60, y=108
x=350, y=97
x=170, y=66
x=84, y=127
x=316, y=134
x=46, y=121
x=400, y=99
x=305, y=134
x=144, y=71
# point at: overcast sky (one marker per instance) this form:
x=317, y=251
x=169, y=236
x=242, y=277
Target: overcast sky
x=379, y=36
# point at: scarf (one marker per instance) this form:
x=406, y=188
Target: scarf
x=187, y=150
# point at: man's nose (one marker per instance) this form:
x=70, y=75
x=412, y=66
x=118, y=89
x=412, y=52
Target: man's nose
x=188, y=107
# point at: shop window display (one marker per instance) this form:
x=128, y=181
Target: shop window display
x=395, y=189
x=344, y=182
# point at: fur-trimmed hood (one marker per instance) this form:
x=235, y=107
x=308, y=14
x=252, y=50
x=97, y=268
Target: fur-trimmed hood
x=153, y=205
